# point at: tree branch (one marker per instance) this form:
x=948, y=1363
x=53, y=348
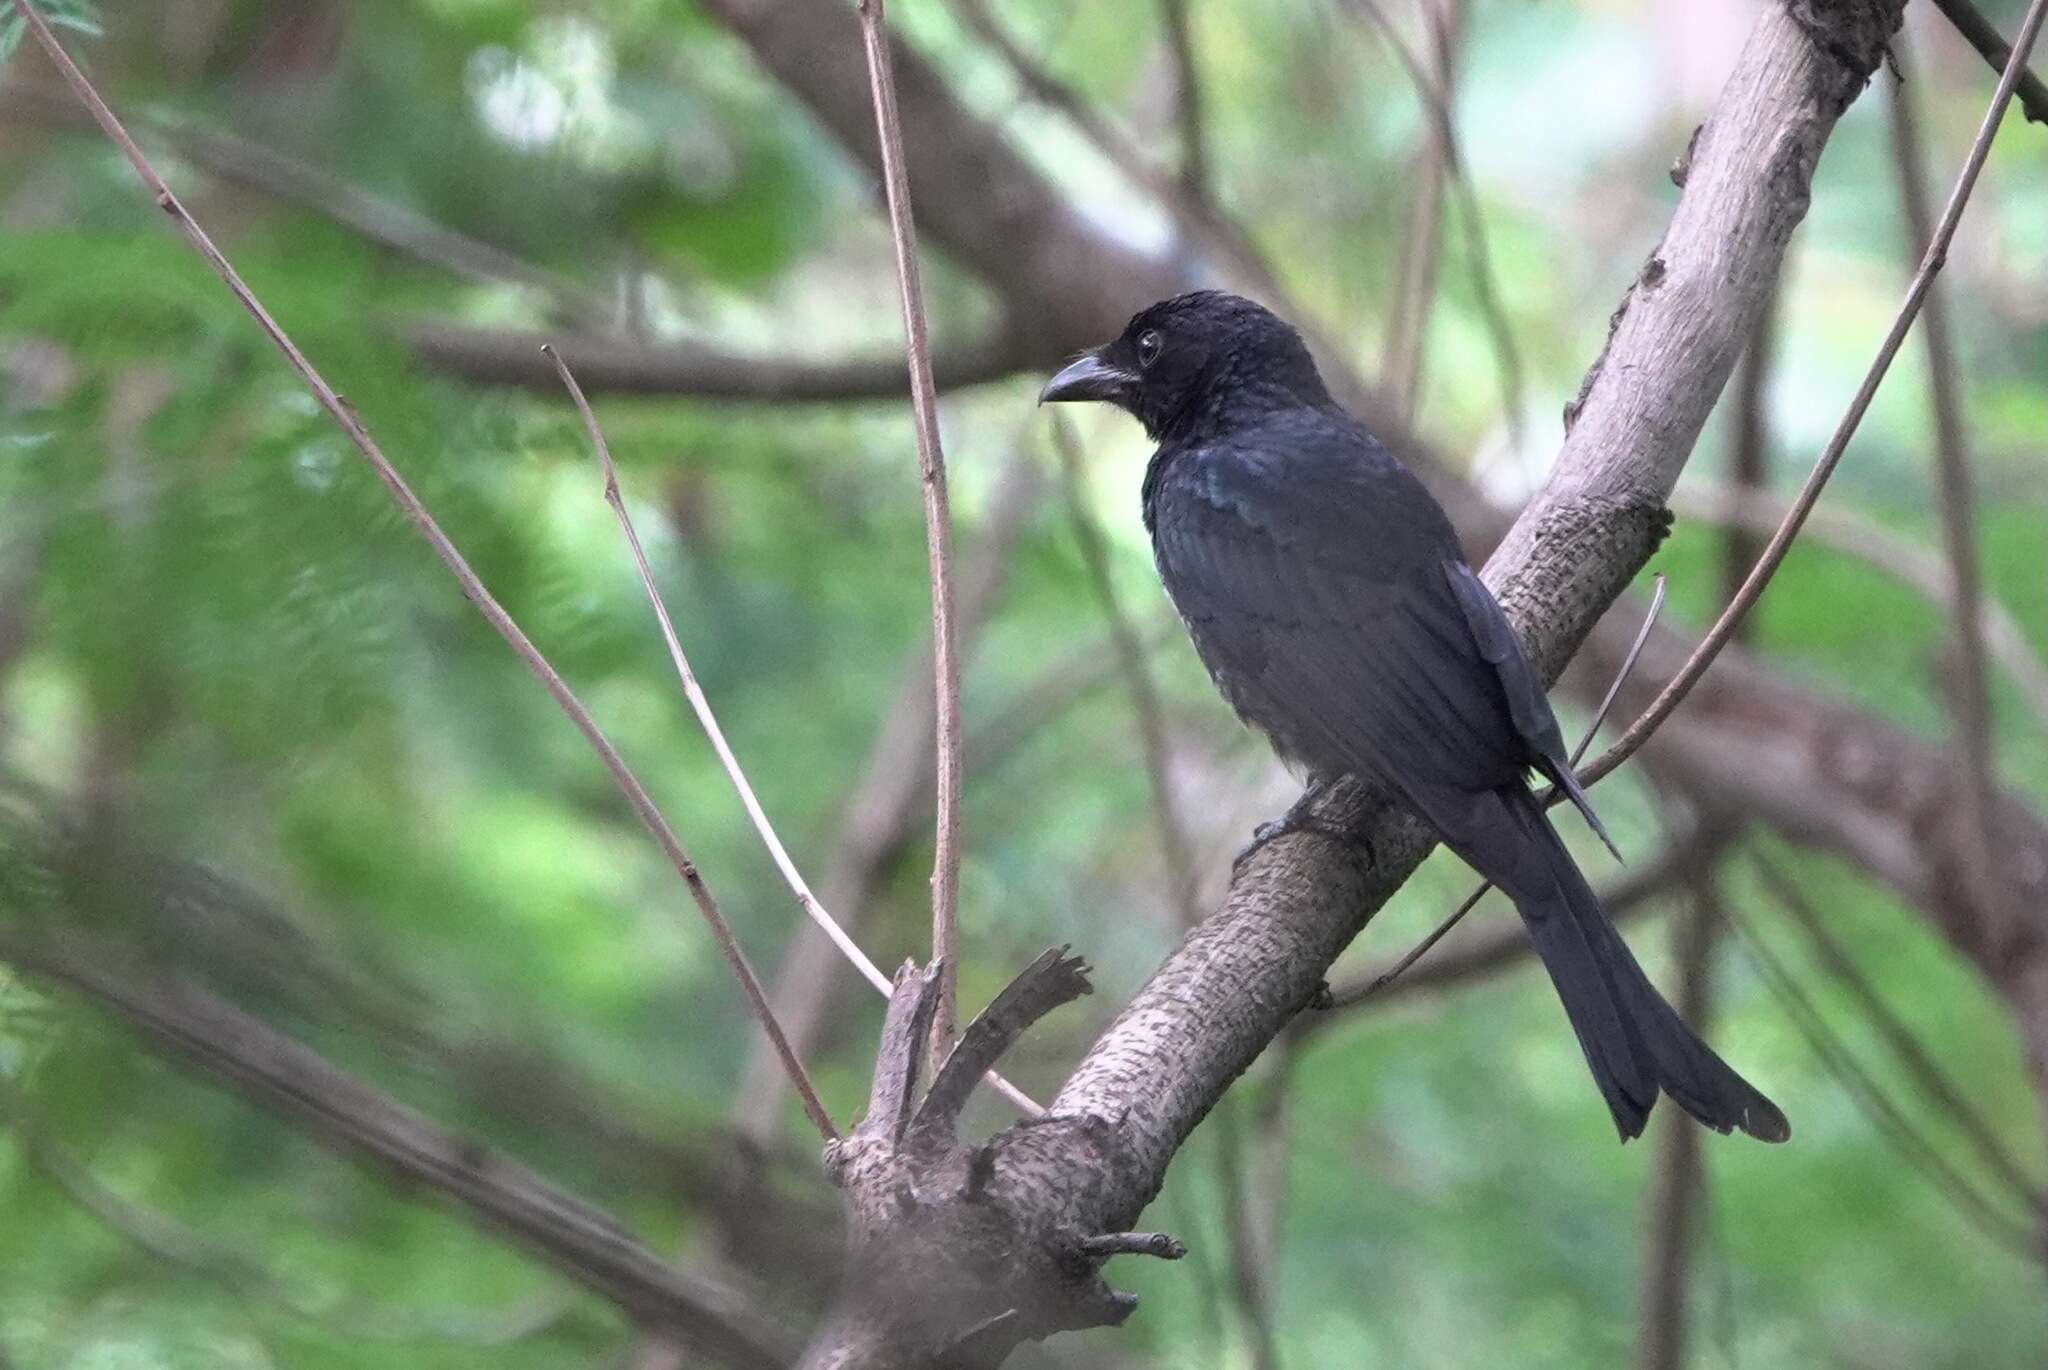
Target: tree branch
x=938, y=530
x=1781, y=541
x=627, y=366
x=1007, y=223
x=171, y=1243
x=876, y=817
x=342, y=1113
x=1980, y=34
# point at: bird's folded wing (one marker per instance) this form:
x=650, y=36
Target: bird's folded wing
x=1341, y=636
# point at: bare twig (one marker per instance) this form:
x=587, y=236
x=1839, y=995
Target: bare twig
x=473, y=589
x=1160, y=1245
x=1767, y=565
x=1137, y=673
x=1980, y=34
x=1421, y=949
x=1969, y=690
x=1918, y=1060
x=1055, y=978
x=878, y=813
x=699, y=705
x=931, y=460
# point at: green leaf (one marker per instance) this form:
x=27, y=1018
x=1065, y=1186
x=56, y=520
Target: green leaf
x=80, y=16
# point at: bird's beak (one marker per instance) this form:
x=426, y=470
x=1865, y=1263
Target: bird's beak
x=1089, y=377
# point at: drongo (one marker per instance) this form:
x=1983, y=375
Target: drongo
x=1327, y=594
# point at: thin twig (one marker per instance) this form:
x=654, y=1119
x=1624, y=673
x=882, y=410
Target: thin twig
x=1969, y=691
x=1892, y=1121
x=1767, y=565
x=1628, y=665
x=1137, y=673
x=813, y=908
x=878, y=814
x=1980, y=34
x=931, y=461
x=344, y=416
x=701, y=706
x=1918, y=1060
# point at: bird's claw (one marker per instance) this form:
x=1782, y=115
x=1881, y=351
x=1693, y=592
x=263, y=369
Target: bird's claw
x=1300, y=817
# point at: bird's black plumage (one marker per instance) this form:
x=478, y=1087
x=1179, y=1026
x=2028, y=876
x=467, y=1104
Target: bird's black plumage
x=1327, y=594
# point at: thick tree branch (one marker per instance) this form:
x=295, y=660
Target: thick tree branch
x=977, y=196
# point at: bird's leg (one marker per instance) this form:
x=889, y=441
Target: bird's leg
x=1300, y=817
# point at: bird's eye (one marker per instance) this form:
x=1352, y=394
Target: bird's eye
x=1148, y=346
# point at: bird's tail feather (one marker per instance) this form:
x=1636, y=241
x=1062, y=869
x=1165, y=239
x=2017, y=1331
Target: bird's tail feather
x=1634, y=1041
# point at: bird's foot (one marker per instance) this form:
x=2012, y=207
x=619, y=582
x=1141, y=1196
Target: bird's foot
x=1299, y=818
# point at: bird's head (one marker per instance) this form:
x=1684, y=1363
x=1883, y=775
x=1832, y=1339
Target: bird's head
x=1191, y=362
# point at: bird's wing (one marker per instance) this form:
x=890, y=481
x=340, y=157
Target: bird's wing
x=1528, y=705
x=1321, y=585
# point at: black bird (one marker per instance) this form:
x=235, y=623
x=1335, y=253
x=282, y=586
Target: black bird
x=1327, y=594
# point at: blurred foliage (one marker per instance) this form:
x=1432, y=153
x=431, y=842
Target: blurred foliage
x=238, y=659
